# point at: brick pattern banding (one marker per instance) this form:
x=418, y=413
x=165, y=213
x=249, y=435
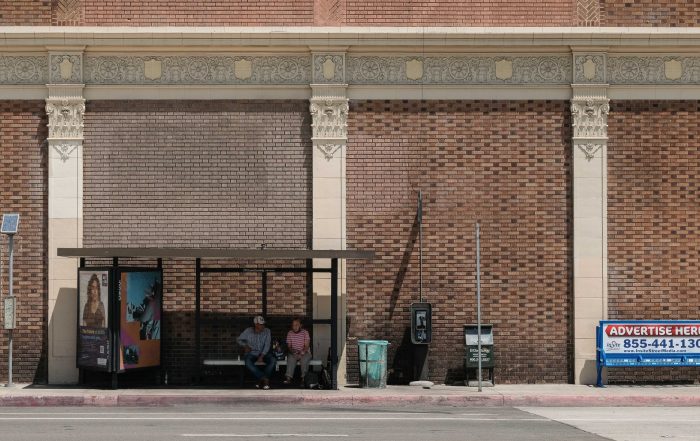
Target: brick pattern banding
x=198, y=13
x=461, y=13
x=506, y=164
x=25, y=13
x=216, y=174
x=673, y=13
x=653, y=218
x=23, y=190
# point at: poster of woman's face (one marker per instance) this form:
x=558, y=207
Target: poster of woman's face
x=94, y=294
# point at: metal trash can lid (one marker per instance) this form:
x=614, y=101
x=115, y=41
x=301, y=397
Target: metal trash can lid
x=373, y=342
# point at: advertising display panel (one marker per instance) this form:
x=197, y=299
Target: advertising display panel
x=140, y=295
x=94, y=342
x=647, y=343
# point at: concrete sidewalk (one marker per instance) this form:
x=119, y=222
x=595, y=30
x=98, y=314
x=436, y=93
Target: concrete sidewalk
x=505, y=395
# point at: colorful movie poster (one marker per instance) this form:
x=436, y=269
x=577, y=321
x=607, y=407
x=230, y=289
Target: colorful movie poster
x=93, y=312
x=140, y=319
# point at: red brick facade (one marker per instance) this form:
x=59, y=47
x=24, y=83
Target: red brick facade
x=25, y=13
x=211, y=173
x=674, y=13
x=343, y=12
x=23, y=189
x=506, y=164
x=198, y=13
x=461, y=13
x=654, y=217
x=203, y=174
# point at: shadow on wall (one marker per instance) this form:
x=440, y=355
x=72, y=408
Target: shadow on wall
x=63, y=328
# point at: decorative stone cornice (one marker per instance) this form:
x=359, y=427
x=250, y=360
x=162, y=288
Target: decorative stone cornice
x=329, y=118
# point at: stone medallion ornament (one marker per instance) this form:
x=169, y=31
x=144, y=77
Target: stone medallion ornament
x=673, y=69
x=328, y=68
x=589, y=68
x=152, y=69
x=243, y=69
x=504, y=69
x=414, y=69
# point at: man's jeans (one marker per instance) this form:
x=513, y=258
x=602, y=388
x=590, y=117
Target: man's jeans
x=270, y=363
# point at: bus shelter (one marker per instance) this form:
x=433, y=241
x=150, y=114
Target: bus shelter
x=201, y=255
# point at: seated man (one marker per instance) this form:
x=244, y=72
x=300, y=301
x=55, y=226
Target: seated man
x=256, y=344
x=298, y=342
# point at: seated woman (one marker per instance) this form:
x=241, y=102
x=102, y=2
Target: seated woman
x=298, y=342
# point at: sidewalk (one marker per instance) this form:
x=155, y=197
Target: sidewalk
x=505, y=395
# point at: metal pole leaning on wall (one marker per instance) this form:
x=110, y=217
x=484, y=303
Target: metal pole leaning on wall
x=478, y=301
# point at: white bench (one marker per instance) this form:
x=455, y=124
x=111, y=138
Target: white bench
x=213, y=362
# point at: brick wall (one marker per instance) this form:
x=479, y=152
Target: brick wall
x=23, y=189
x=461, y=13
x=25, y=13
x=198, y=13
x=202, y=174
x=679, y=13
x=505, y=163
x=653, y=218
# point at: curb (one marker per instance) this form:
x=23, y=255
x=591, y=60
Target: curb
x=334, y=400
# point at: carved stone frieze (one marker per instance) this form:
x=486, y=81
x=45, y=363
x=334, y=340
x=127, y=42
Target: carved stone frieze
x=198, y=70
x=329, y=119
x=653, y=70
x=65, y=118
x=556, y=69
x=24, y=70
x=590, y=118
x=329, y=68
x=66, y=68
x=589, y=68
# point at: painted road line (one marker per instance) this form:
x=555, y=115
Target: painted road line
x=263, y=435
x=136, y=418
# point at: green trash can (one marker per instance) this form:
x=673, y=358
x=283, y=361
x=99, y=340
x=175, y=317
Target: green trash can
x=372, y=356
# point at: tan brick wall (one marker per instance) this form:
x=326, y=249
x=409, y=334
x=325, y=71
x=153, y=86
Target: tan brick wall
x=211, y=174
x=198, y=13
x=505, y=163
x=461, y=13
x=25, y=13
x=653, y=218
x=23, y=189
x=680, y=13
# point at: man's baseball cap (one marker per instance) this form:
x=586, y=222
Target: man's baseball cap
x=259, y=320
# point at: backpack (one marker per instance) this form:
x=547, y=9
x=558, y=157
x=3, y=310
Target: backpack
x=325, y=380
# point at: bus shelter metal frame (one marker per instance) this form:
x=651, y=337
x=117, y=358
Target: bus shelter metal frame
x=239, y=254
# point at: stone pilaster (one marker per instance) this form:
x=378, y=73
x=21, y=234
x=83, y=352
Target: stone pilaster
x=65, y=107
x=589, y=111
x=329, y=113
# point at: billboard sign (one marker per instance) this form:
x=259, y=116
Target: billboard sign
x=141, y=294
x=94, y=343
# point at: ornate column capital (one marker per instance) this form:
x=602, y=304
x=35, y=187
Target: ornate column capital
x=65, y=108
x=329, y=118
x=590, y=107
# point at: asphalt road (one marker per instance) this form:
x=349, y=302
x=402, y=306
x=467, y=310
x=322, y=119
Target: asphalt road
x=282, y=423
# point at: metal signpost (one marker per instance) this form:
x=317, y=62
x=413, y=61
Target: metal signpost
x=10, y=223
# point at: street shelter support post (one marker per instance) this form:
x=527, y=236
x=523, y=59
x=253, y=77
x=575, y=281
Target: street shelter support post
x=334, y=323
x=264, y=294
x=115, y=333
x=197, y=319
